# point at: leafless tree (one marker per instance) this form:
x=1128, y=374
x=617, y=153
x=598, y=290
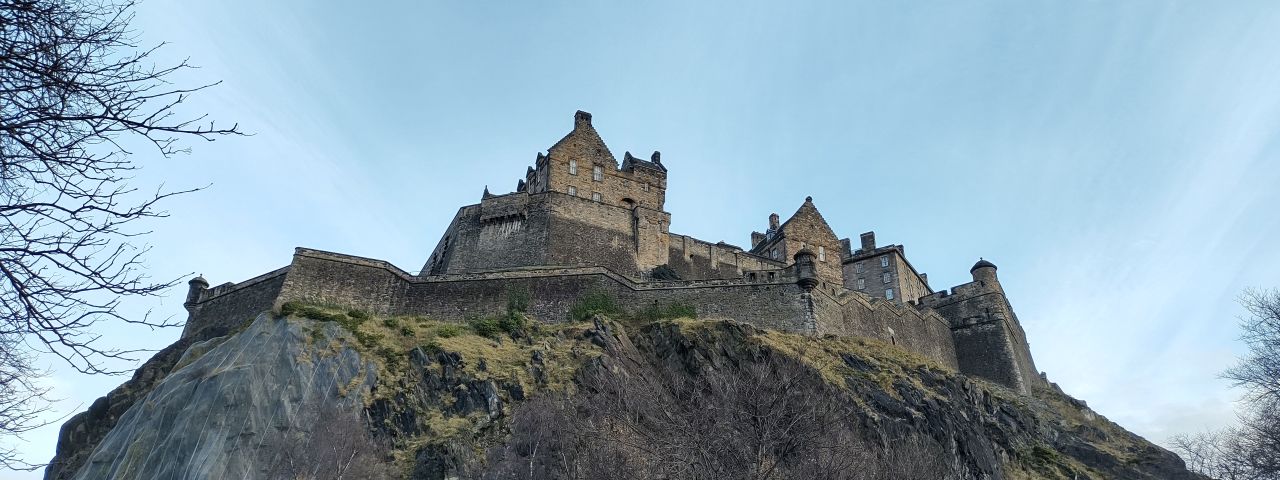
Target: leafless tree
x=764, y=419
x=22, y=401
x=76, y=91
x=1250, y=450
x=336, y=446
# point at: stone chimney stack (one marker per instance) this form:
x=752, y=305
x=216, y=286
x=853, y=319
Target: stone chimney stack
x=868, y=241
x=773, y=222
x=581, y=119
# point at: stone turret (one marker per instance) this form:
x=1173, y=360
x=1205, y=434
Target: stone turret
x=195, y=287
x=806, y=274
x=984, y=273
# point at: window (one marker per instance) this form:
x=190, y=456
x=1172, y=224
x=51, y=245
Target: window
x=595, y=196
x=645, y=187
x=884, y=261
x=774, y=254
x=822, y=253
x=887, y=277
x=770, y=276
x=888, y=293
x=573, y=190
x=751, y=277
x=573, y=167
x=857, y=267
x=597, y=173
x=862, y=284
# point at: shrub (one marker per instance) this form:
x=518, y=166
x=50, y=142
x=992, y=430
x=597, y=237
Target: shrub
x=593, y=304
x=358, y=314
x=517, y=300
x=448, y=331
x=514, y=323
x=485, y=327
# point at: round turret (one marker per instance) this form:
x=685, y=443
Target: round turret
x=806, y=273
x=984, y=271
x=194, y=288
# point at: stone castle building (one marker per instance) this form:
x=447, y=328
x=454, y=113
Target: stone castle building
x=581, y=222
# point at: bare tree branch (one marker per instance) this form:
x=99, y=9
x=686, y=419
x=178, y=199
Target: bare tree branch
x=75, y=87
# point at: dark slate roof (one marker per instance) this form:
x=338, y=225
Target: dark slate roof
x=981, y=264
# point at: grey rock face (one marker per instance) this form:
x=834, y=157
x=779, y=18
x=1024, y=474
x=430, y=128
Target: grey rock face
x=214, y=416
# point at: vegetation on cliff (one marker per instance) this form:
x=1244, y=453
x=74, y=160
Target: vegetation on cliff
x=507, y=397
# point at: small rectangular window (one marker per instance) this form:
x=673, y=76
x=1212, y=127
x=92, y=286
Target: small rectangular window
x=888, y=293
x=751, y=277
x=770, y=276
x=857, y=267
x=597, y=173
x=862, y=284
x=595, y=196
x=573, y=167
x=646, y=186
x=822, y=254
x=573, y=190
x=886, y=277
x=884, y=261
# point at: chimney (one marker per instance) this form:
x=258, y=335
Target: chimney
x=773, y=222
x=581, y=119
x=868, y=241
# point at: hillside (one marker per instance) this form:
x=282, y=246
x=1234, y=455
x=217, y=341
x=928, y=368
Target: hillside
x=312, y=391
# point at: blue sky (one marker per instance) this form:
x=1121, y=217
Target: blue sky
x=1117, y=160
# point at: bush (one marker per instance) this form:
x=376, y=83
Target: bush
x=514, y=323
x=517, y=300
x=592, y=304
x=448, y=331
x=485, y=327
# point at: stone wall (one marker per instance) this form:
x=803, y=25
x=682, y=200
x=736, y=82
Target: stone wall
x=988, y=336
x=855, y=314
x=227, y=306
x=695, y=259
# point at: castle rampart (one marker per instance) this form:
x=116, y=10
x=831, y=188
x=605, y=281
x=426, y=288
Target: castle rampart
x=578, y=223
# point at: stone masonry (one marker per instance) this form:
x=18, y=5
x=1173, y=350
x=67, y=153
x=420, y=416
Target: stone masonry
x=579, y=222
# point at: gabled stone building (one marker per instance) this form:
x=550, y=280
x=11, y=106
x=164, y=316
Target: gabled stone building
x=581, y=222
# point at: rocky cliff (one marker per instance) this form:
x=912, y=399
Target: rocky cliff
x=317, y=392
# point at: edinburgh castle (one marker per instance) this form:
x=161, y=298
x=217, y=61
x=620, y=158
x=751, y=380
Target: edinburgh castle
x=580, y=222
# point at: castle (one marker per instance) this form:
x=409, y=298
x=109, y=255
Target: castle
x=579, y=222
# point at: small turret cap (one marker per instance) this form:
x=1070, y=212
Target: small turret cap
x=982, y=263
x=803, y=251
x=200, y=280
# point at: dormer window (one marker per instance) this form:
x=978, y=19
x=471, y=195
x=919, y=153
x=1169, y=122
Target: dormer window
x=597, y=173
x=573, y=167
